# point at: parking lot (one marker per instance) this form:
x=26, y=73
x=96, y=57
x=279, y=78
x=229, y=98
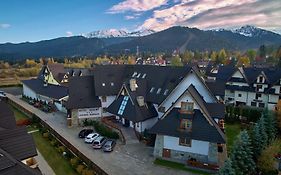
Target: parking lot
x=132, y=158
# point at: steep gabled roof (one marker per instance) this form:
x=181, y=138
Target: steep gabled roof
x=57, y=69
x=201, y=129
x=52, y=91
x=82, y=93
x=7, y=119
x=225, y=72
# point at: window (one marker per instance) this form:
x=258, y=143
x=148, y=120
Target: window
x=260, y=80
x=186, y=124
x=185, y=141
x=187, y=107
x=144, y=75
x=139, y=75
x=104, y=110
x=134, y=74
x=158, y=91
x=103, y=98
x=111, y=84
x=279, y=97
x=103, y=84
x=239, y=95
x=261, y=105
x=161, y=109
x=254, y=104
x=123, y=105
x=152, y=89
x=259, y=87
x=166, y=91
x=258, y=96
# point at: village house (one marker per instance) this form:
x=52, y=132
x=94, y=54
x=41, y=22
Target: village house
x=17, y=148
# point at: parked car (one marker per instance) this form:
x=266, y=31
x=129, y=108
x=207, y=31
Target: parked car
x=84, y=132
x=99, y=142
x=91, y=137
x=109, y=145
x=3, y=95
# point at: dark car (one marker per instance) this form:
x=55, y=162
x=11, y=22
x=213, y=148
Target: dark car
x=83, y=133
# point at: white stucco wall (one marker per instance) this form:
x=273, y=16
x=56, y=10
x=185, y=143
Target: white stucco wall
x=197, y=147
x=109, y=100
x=147, y=124
x=28, y=92
x=243, y=98
x=191, y=78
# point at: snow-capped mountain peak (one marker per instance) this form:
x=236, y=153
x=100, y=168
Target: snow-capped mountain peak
x=249, y=31
x=111, y=33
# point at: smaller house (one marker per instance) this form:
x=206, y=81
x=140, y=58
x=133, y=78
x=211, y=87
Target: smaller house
x=82, y=102
x=40, y=90
x=131, y=107
x=17, y=148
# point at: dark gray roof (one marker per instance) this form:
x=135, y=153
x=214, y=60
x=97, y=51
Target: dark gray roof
x=82, y=93
x=133, y=111
x=166, y=78
x=52, y=91
x=216, y=110
x=225, y=72
x=7, y=119
x=201, y=129
x=217, y=87
x=11, y=166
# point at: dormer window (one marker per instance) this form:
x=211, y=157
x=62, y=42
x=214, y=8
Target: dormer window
x=187, y=107
x=152, y=89
x=144, y=75
x=158, y=91
x=134, y=74
x=103, y=84
x=112, y=84
x=139, y=75
x=260, y=79
x=166, y=91
x=186, y=124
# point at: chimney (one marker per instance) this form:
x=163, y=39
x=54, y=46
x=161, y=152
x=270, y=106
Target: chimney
x=140, y=100
x=133, y=84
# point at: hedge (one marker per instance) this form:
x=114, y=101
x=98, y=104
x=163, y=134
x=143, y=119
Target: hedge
x=103, y=130
x=234, y=113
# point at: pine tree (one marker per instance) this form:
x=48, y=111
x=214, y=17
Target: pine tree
x=262, y=131
x=256, y=141
x=270, y=126
x=242, y=155
x=227, y=169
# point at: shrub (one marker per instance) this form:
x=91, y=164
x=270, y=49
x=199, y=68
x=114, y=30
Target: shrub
x=42, y=129
x=54, y=142
x=80, y=168
x=46, y=135
x=61, y=149
x=88, y=172
x=23, y=122
x=74, y=162
x=103, y=130
x=35, y=119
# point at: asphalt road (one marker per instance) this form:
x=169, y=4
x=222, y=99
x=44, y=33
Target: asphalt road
x=12, y=90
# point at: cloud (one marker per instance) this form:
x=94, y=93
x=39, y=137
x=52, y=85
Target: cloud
x=69, y=33
x=206, y=14
x=4, y=26
x=136, y=6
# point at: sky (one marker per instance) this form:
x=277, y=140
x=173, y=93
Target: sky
x=35, y=20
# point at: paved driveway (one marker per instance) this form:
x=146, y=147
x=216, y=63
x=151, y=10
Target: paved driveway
x=132, y=158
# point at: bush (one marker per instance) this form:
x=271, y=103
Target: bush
x=61, y=149
x=54, y=142
x=35, y=119
x=88, y=172
x=23, y=122
x=103, y=130
x=74, y=162
x=46, y=135
x=80, y=168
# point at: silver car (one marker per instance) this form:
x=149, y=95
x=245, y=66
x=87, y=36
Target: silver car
x=109, y=145
x=99, y=142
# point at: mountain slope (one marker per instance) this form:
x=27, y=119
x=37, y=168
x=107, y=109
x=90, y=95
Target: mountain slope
x=113, y=33
x=174, y=38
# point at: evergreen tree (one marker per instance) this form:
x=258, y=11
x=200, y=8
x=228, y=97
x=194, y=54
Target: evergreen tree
x=270, y=125
x=242, y=155
x=227, y=169
x=256, y=141
x=262, y=131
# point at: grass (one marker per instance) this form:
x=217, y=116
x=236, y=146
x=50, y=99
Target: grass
x=60, y=165
x=232, y=131
x=18, y=114
x=178, y=166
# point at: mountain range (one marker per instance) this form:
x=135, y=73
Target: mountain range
x=119, y=41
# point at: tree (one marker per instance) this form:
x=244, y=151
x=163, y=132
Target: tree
x=242, y=155
x=262, y=52
x=243, y=61
x=256, y=141
x=270, y=125
x=227, y=169
x=252, y=55
x=213, y=55
x=176, y=61
x=187, y=56
x=262, y=131
x=221, y=57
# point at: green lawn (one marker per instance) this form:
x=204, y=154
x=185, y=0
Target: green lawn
x=18, y=114
x=232, y=131
x=178, y=166
x=60, y=165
